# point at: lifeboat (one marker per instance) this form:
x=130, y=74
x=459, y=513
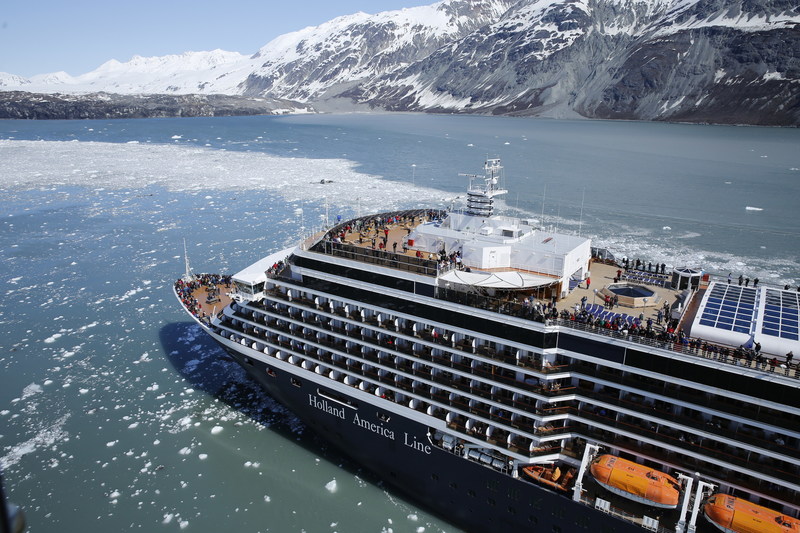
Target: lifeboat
x=735, y=515
x=550, y=476
x=636, y=482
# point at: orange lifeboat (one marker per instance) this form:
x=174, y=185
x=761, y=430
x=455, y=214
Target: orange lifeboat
x=735, y=515
x=636, y=482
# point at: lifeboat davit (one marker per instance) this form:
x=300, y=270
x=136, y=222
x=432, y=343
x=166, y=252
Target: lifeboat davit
x=735, y=515
x=636, y=482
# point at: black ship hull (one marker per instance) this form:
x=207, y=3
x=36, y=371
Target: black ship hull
x=398, y=450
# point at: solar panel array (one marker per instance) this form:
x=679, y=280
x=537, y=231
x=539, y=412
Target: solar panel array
x=730, y=307
x=780, y=314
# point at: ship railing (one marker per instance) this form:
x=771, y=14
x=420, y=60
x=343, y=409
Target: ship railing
x=619, y=513
x=407, y=384
x=636, y=429
x=384, y=258
x=717, y=427
x=751, y=439
x=681, y=440
x=363, y=222
x=731, y=358
x=531, y=312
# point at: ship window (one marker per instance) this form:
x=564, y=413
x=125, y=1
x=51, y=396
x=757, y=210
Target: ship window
x=532, y=519
x=491, y=501
x=511, y=510
x=296, y=382
x=435, y=477
x=271, y=373
x=471, y=492
x=248, y=361
x=453, y=485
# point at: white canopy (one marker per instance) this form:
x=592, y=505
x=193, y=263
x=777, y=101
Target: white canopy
x=497, y=280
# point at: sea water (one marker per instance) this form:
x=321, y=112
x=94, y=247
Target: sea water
x=116, y=413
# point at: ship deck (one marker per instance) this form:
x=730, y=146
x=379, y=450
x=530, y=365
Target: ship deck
x=210, y=298
x=372, y=235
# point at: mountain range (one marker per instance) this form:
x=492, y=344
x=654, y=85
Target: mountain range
x=715, y=61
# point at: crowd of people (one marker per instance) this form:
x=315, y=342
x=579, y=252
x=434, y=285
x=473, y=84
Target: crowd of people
x=185, y=290
x=676, y=339
x=637, y=264
x=275, y=268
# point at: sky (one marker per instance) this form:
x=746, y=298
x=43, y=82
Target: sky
x=77, y=36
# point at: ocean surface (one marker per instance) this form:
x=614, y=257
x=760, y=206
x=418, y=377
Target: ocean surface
x=116, y=414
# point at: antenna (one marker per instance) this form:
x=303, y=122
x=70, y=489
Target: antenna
x=480, y=198
x=544, y=195
x=188, y=276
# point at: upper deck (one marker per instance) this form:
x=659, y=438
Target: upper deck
x=668, y=316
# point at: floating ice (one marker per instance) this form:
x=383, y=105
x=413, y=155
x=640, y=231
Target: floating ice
x=185, y=450
x=216, y=429
x=30, y=390
x=41, y=163
x=203, y=456
x=331, y=486
x=44, y=438
x=751, y=208
x=52, y=338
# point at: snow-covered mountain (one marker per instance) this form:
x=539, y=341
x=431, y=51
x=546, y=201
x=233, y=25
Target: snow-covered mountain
x=305, y=64
x=318, y=61
x=694, y=60
x=689, y=60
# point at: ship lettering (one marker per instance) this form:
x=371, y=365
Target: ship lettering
x=417, y=445
x=323, y=405
x=373, y=427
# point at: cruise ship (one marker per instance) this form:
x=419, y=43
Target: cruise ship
x=511, y=378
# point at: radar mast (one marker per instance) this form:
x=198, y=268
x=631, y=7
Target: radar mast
x=480, y=196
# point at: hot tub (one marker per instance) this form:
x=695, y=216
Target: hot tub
x=631, y=295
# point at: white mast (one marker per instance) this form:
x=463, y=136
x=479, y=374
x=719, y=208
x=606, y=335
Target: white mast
x=480, y=198
x=188, y=276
